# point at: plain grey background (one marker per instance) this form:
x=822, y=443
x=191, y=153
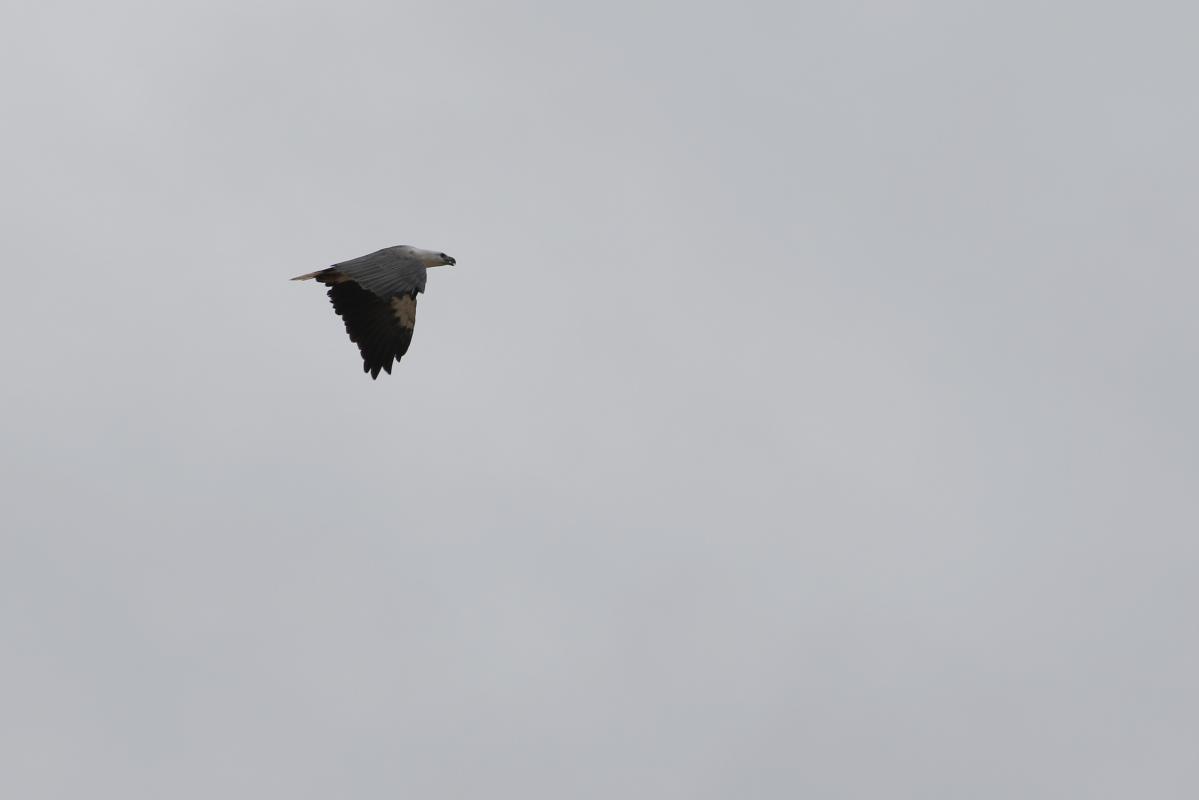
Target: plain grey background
x=811, y=412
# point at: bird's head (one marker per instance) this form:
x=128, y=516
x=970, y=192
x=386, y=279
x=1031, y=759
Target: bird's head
x=427, y=258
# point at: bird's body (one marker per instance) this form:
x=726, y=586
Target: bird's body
x=375, y=295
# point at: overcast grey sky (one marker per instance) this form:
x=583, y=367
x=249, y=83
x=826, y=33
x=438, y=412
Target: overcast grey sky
x=811, y=413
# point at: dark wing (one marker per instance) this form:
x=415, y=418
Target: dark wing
x=375, y=295
x=381, y=327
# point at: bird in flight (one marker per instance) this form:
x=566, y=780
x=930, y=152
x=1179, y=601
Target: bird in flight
x=375, y=295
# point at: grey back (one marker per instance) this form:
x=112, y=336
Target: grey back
x=387, y=272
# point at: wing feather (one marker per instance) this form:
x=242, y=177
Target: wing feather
x=382, y=334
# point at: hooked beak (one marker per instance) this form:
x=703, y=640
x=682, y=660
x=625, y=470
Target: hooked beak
x=450, y=260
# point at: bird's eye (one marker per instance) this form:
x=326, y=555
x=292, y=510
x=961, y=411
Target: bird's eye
x=443, y=255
